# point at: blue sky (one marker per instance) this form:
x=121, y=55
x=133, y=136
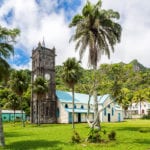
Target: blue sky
x=49, y=19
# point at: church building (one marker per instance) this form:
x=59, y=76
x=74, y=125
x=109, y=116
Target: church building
x=56, y=106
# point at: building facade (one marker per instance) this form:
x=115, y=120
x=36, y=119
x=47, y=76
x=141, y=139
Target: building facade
x=43, y=64
x=137, y=110
x=111, y=111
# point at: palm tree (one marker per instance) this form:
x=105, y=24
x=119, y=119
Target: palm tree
x=97, y=31
x=19, y=84
x=40, y=87
x=71, y=74
x=7, y=38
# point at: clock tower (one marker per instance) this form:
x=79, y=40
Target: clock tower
x=43, y=64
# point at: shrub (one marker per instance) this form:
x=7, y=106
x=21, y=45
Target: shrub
x=112, y=135
x=94, y=136
x=75, y=137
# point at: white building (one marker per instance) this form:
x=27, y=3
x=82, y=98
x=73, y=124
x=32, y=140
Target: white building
x=138, y=109
x=112, y=113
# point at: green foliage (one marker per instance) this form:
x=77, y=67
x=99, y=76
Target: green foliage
x=97, y=30
x=71, y=72
x=112, y=135
x=7, y=39
x=146, y=116
x=75, y=137
x=94, y=136
x=40, y=86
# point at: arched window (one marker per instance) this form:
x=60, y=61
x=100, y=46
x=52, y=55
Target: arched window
x=57, y=113
x=109, y=106
x=75, y=106
x=82, y=107
x=104, y=111
x=112, y=111
x=66, y=105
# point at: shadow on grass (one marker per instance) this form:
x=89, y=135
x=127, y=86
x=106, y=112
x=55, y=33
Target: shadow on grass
x=15, y=134
x=33, y=145
x=142, y=141
x=133, y=128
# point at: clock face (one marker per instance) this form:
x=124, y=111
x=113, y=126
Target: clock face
x=47, y=76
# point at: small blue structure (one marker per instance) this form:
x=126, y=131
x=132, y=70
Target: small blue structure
x=9, y=115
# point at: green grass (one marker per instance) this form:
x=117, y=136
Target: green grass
x=131, y=135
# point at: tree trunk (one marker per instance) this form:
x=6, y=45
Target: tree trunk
x=14, y=116
x=23, y=124
x=73, y=126
x=37, y=113
x=96, y=114
x=2, y=139
x=140, y=109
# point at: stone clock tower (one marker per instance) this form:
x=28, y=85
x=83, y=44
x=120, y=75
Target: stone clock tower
x=43, y=64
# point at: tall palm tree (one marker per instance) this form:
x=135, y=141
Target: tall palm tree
x=40, y=87
x=7, y=38
x=71, y=74
x=97, y=31
x=19, y=84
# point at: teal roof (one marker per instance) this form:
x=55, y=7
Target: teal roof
x=79, y=97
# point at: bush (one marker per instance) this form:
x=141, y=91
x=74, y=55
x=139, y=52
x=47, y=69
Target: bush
x=112, y=135
x=75, y=137
x=94, y=136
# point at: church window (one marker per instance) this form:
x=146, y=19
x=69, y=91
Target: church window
x=57, y=113
x=66, y=105
x=112, y=111
x=104, y=111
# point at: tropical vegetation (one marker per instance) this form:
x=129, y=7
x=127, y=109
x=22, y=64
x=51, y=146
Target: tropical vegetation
x=98, y=32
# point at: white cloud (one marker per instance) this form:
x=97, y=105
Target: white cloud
x=38, y=21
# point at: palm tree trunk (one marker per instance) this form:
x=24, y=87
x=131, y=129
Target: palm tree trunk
x=37, y=112
x=73, y=126
x=96, y=114
x=23, y=124
x=14, y=116
x=2, y=138
x=140, y=109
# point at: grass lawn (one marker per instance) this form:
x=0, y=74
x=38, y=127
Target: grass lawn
x=57, y=136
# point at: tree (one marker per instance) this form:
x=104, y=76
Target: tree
x=139, y=97
x=40, y=87
x=7, y=38
x=97, y=31
x=13, y=103
x=19, y=84
x=71, y=74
